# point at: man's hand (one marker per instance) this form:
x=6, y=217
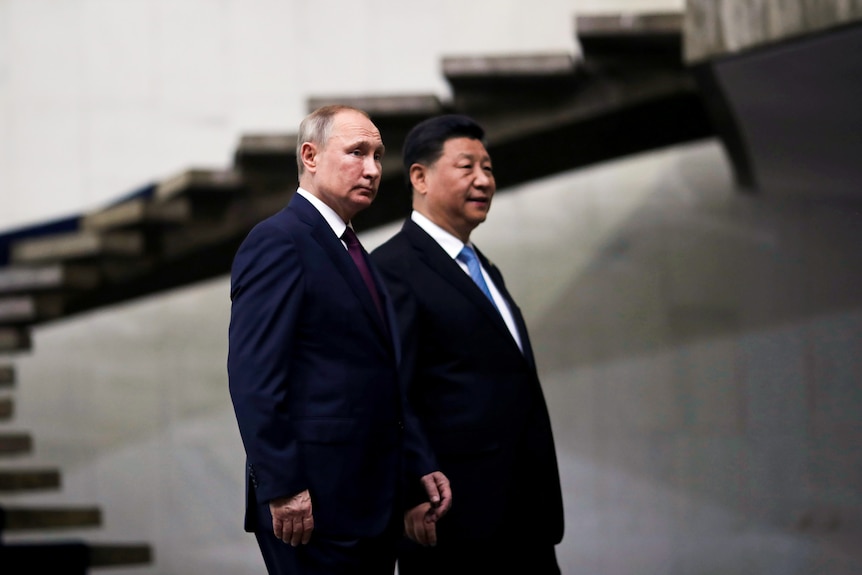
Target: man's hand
x=292, y=520
x=439, y=494
x=420, y=525
x=420, y=522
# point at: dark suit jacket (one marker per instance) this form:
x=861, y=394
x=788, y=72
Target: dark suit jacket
x=478, y=397
x=313, y=376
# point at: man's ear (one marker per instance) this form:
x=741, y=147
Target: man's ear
x=418, y=174
x=308, y=155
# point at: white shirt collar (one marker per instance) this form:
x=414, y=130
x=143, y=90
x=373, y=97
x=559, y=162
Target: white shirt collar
x=450, y=244
x=334, y=220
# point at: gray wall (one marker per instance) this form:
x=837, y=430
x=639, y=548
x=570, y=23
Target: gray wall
x=99, y=97
x=698, y=347
x=716, y=28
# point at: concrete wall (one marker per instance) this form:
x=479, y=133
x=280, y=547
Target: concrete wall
x=698, y=347
x=715, y=28
x=99, y=97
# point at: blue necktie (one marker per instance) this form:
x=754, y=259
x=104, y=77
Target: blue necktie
x=468, y=256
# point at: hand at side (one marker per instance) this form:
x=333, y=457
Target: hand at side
x=420, y=522
x=420, y=526
x=292, y=519
x=439, y=493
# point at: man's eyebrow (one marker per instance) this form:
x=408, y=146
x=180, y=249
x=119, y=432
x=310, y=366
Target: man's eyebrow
x=470, y=156
x=366, y=143
x=380, y=148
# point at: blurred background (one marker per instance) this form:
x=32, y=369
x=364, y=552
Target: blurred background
x=679, y=217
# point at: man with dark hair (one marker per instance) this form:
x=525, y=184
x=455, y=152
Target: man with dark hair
x=313, y=371
x=472, y=378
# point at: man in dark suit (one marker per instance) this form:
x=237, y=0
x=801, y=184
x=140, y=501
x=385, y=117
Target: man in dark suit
x=472, y=376
x=313, y=370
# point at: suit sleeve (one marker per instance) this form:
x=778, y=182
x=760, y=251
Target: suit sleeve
x=266, y=296
x=420, y=459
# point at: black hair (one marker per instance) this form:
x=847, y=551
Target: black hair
x=425, y=141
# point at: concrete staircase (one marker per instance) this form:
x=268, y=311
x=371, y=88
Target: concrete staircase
x=544, y=113
x=55, y=556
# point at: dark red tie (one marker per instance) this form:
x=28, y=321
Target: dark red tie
x=354, y=248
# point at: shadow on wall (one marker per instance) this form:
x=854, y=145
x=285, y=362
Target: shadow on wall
x=698, y=350
x=698, y=260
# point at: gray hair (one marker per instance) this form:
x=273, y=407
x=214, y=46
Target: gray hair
x=316, y=128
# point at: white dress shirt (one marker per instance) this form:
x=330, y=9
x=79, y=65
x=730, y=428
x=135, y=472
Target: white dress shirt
x=452, y=246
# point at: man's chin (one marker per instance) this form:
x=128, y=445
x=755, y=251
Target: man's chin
x=478, y=214
x=361, y=201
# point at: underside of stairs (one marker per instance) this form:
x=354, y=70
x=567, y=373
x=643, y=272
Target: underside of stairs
x=543, y=114
x=630, y=91
x=35, y=553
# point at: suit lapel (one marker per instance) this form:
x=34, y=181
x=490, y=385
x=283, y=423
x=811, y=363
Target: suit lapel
x=521, y=325
x=323, y=235
x=439, y=261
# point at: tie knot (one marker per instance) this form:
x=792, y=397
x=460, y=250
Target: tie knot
x=349, y=237
x=467, y=255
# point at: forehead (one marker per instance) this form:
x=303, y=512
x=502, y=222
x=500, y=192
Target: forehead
x=354, y=127
x=463, y=146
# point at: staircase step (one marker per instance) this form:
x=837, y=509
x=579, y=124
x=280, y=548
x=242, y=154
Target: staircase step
x=139, y=213
x=14, y=443
x=281, y=145
x=7, y=408
x=77, y=246
x=51, y=277
x=483, y=84
x=393, y=115
x=15, y=339
x=531, y=67
x=36, y=518
x=628, y=24
x=267, y=162
x=13, y=480
x=63, y=556
x=201, y=186
x=28, y=309
x=106, y=555
x=7, y=376
x=640, y=37
x=376, y=106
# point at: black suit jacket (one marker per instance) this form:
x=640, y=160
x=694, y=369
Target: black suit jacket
x=313, y=376
x=476, y=394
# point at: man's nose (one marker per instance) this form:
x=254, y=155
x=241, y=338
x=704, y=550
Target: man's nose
x=373, y=168
x=483, y=179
